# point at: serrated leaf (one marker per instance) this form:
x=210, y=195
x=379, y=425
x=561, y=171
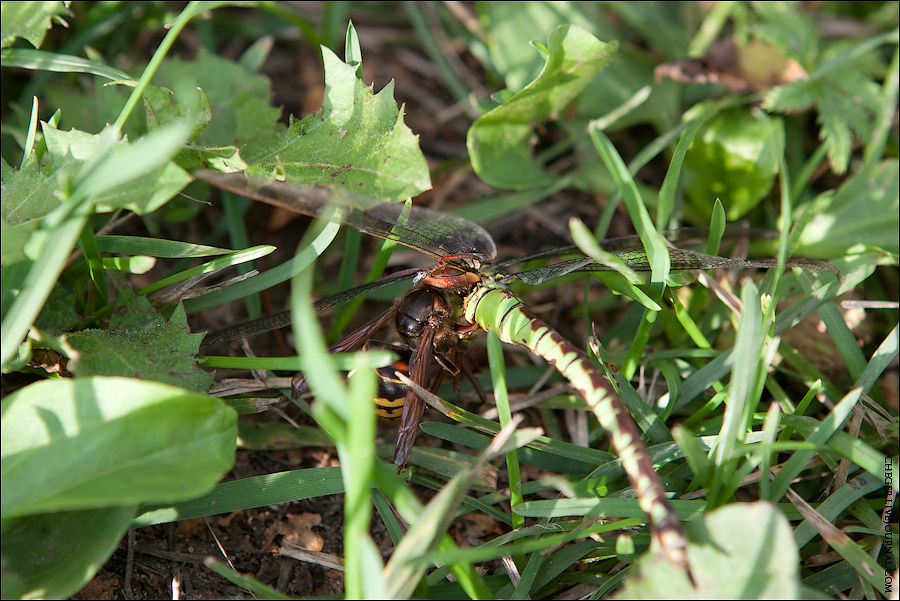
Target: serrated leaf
x=28, y=20
x=791, y=98
x=358, y=140
x=58, y=314
x=161, y=109
x=499, y=142
x=27, y=196
x=221, y=158
x=846, y=98
x=847, y=105
x=139, y=343
x=86, y=443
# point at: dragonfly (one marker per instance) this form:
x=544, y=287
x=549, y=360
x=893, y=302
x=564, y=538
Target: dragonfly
x=465, y=292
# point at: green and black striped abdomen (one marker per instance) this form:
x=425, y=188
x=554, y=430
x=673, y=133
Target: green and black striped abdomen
x=500, y=311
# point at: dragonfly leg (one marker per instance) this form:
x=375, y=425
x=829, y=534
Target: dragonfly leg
x=413, y=406
x=466, y=369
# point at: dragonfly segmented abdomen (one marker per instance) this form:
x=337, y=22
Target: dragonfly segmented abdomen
x=500, y=311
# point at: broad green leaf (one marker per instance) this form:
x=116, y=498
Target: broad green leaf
x=863, y=213
x=161, y=109
x=510, y=27
x=28, y=20
x=91, y=104
x=734, y=159
x=52, y=555
x=499, y=142
x=239, y=100
x=27, y=194
x=358, y=140
x=740, y=551
x=96, y=442
x=140, y=343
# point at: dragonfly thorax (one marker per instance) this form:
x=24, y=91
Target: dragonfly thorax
x=416, y=309
x=435, y=308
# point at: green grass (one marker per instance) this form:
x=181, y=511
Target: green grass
x=772, y=455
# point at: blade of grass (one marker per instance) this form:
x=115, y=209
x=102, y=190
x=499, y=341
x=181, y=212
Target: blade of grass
x=190, y=11
x=235, y=258
x=256, y=491
x=501, y=397
x=234, y=208
x=41, y=60
x=866, y=567
x=746, y=359
x=403, y=570
x=28, y=148
x=881, y=358
x=838, y=501
x=344, y=361
x=844, y=445
x=270, y=278
x=831, y=424
x=42, y=275
x=158, y=247
x=95, y=264
x=248, y=583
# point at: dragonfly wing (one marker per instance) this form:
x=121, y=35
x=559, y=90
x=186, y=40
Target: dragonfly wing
x=331, y=302
x=277, y=321
x=682, y=236
x=636, y=259
x=535, y=277
x=431, y=232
